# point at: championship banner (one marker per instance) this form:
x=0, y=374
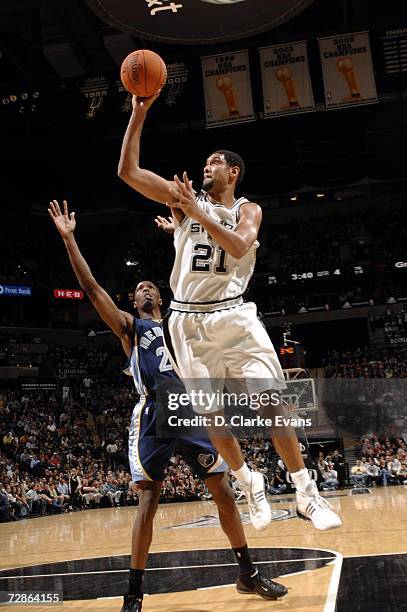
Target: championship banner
x=287, y=86
x=227, y=88
x=347, y=69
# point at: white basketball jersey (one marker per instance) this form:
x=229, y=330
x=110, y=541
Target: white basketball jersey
x=203, y=273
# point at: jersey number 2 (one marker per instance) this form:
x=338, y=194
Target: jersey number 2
x=202, y=261
x=165, y=362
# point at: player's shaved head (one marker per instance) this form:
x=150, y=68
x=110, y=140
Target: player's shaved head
x=146, y=283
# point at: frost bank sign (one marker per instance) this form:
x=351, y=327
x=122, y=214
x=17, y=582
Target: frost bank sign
x=196, y=21
x=15, y=291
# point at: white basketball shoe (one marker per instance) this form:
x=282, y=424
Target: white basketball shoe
x=312, y=507
x=259, y=508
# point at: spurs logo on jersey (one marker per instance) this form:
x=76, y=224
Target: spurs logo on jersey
x=203, y=272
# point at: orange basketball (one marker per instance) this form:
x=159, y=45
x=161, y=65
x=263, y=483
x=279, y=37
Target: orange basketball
x=143, y=73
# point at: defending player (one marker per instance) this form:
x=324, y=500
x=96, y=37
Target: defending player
x=211, y=333
x=142, y=341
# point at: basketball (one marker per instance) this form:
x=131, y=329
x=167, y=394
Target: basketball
x=143, y=73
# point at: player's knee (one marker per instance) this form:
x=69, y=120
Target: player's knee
x=149, y=497
x=223, y=495
x=272, y=410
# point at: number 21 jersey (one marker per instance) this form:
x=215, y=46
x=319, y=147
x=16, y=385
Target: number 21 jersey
x=203, y=272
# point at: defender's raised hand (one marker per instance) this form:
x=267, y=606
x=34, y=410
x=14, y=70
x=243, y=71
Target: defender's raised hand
x=65, y=222
x=167, y=225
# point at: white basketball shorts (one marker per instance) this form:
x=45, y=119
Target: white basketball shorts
x=226, y=345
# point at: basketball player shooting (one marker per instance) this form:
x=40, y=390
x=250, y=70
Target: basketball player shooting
x=142, y=342
x=210, y=333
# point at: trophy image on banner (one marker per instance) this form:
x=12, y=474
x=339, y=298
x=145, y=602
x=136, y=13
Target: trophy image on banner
x=285, y=76
x=345, y=65
x=225, y=85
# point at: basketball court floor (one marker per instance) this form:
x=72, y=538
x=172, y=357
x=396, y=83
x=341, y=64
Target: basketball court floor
x=360, y=567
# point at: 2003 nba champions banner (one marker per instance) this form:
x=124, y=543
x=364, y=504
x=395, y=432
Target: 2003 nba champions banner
x=286, y=79
x=227, y=88
x=347, y=70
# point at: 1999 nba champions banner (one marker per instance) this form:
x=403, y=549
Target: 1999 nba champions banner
x=227, y=88
x=286, y=79
x=347, y=70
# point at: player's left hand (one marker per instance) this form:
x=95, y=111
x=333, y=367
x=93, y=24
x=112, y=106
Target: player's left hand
x=184, y=197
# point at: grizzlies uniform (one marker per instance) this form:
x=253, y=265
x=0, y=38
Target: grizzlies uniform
x=148, y=455
x=210, y=332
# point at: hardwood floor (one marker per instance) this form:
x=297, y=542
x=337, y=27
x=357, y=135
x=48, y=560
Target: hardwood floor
x=191, y=568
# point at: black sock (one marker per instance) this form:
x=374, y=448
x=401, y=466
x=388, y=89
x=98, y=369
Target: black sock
x=243, y=558
x=136, y=582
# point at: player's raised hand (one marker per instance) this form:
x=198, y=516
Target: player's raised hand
x=65, y=222
x=167, y=225
x=141, y=105
x=184, y=197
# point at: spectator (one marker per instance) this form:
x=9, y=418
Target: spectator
x=111, y=450
x=394, y=468
x=5, y=515
x=277, y=484
x=63, y=489
x=91, y=494
x=36, y=502
x=373, y=472
x=358, y=474
x=338, y=462
x=111, y=491
x=330, y=478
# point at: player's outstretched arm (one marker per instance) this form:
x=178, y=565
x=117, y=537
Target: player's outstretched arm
x=120, y=322
x=144, y=181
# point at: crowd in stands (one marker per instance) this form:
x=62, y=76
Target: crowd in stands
x=393, y=324
x=66, y=448
x=43, y=436
x=336, y=241
x=63, y=362
x=366, y=363
x=366, y=390
x=382, y=461
x=331, y=470
x=79, y=360
x=61, y=452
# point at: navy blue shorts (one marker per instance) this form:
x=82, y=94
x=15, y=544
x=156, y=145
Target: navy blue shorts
x=150, y=455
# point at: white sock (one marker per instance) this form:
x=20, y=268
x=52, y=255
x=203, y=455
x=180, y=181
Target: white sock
x=301, y=480
x=243, y=475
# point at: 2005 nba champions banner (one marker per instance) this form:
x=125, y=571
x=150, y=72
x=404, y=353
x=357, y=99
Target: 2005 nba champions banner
x=347, y=69
x=227, y=88
x=287, y=86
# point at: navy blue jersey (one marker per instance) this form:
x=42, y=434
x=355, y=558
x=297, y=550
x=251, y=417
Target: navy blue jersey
x=149, y=363
x=151, y=441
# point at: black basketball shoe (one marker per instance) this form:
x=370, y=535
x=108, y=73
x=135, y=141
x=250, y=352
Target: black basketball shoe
x=132, y=604
x=260, y=585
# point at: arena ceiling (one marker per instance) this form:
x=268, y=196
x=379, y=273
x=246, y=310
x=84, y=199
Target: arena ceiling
x=53, y=51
